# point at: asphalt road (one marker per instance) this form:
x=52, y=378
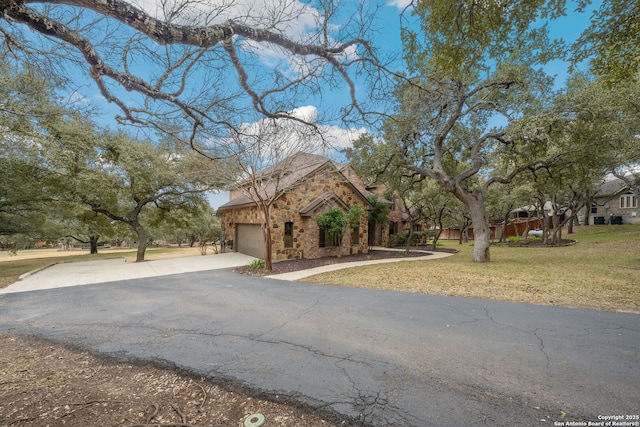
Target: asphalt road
x=384, y=358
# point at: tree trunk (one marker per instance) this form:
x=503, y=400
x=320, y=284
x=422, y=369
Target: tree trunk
x=481, y=229
x=266, y=237
x=587, y=213
x=503, y=232
x=439, y=228
x=545, y=228
x=409, y=236
x=93, y=243
x=142, y=242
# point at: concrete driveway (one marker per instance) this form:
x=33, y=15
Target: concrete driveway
x=383, y=358
x=64, y=274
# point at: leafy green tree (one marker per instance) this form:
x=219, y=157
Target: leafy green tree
x=353, y=216
x=333, y=222
x=115, y=175
x=82, y=225
x=26, y=187
x=21, y=191
x=610, y=43
x=422, y=199
x=353, y=219
x=608, y=116
x=472, y=63
x=504, y=199
x=134, y=176
x=193, y=223
x=590, y=129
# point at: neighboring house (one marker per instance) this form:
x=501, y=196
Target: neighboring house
x=302, y=187
x=614, y=203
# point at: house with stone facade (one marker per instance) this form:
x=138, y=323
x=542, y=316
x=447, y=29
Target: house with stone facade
x=298, y=189
x=614, y=203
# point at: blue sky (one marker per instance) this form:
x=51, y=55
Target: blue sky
x=387, y=24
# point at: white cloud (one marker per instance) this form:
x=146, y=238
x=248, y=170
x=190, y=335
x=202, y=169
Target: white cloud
x=342, y=138
x=284, y=137
x=400, y=4
x=308, y=113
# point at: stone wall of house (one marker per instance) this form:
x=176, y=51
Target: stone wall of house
x=610, y=206
x=230, y=217
x=351, y=175
x=305, y=229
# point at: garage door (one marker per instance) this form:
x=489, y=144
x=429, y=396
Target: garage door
x=249, y=240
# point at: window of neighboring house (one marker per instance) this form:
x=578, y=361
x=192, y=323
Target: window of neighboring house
x=628, y=201
x=594, y=207
x=326, y=240
x=288, y=234
x=355, y=235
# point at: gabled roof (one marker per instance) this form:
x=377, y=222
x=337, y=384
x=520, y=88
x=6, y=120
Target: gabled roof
x=612, y=188
x=326, y=199
x=285, y=175
x=295, y=167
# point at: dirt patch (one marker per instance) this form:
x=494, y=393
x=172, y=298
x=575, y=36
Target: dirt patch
x=45, y=384
x=305, y=264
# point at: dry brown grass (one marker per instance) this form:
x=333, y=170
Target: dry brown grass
x=601, y=271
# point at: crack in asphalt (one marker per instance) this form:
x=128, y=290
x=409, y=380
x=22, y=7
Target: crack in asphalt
x=534, y=332
x=253, y=338
x=299, y=316
x=618, y=327
x=359, y=381
x=367, y=405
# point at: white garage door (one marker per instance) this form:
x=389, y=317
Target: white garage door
x=249, y=240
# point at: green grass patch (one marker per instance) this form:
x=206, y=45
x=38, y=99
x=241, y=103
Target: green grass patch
x=601, y=271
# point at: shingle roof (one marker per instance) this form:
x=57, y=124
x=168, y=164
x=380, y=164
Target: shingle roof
x=611, y=188
x=283, y=176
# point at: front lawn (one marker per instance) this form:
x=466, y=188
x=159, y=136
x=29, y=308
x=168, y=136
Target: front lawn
x=601, y=271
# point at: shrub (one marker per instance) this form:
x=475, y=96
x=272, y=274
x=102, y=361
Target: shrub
x=256, y=264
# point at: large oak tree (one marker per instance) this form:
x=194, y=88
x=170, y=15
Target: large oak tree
x=475, y=68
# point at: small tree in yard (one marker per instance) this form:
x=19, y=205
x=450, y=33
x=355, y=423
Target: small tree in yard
x=333, y=222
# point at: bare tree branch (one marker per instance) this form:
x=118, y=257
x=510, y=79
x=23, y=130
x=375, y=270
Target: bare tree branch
x=213, y=44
